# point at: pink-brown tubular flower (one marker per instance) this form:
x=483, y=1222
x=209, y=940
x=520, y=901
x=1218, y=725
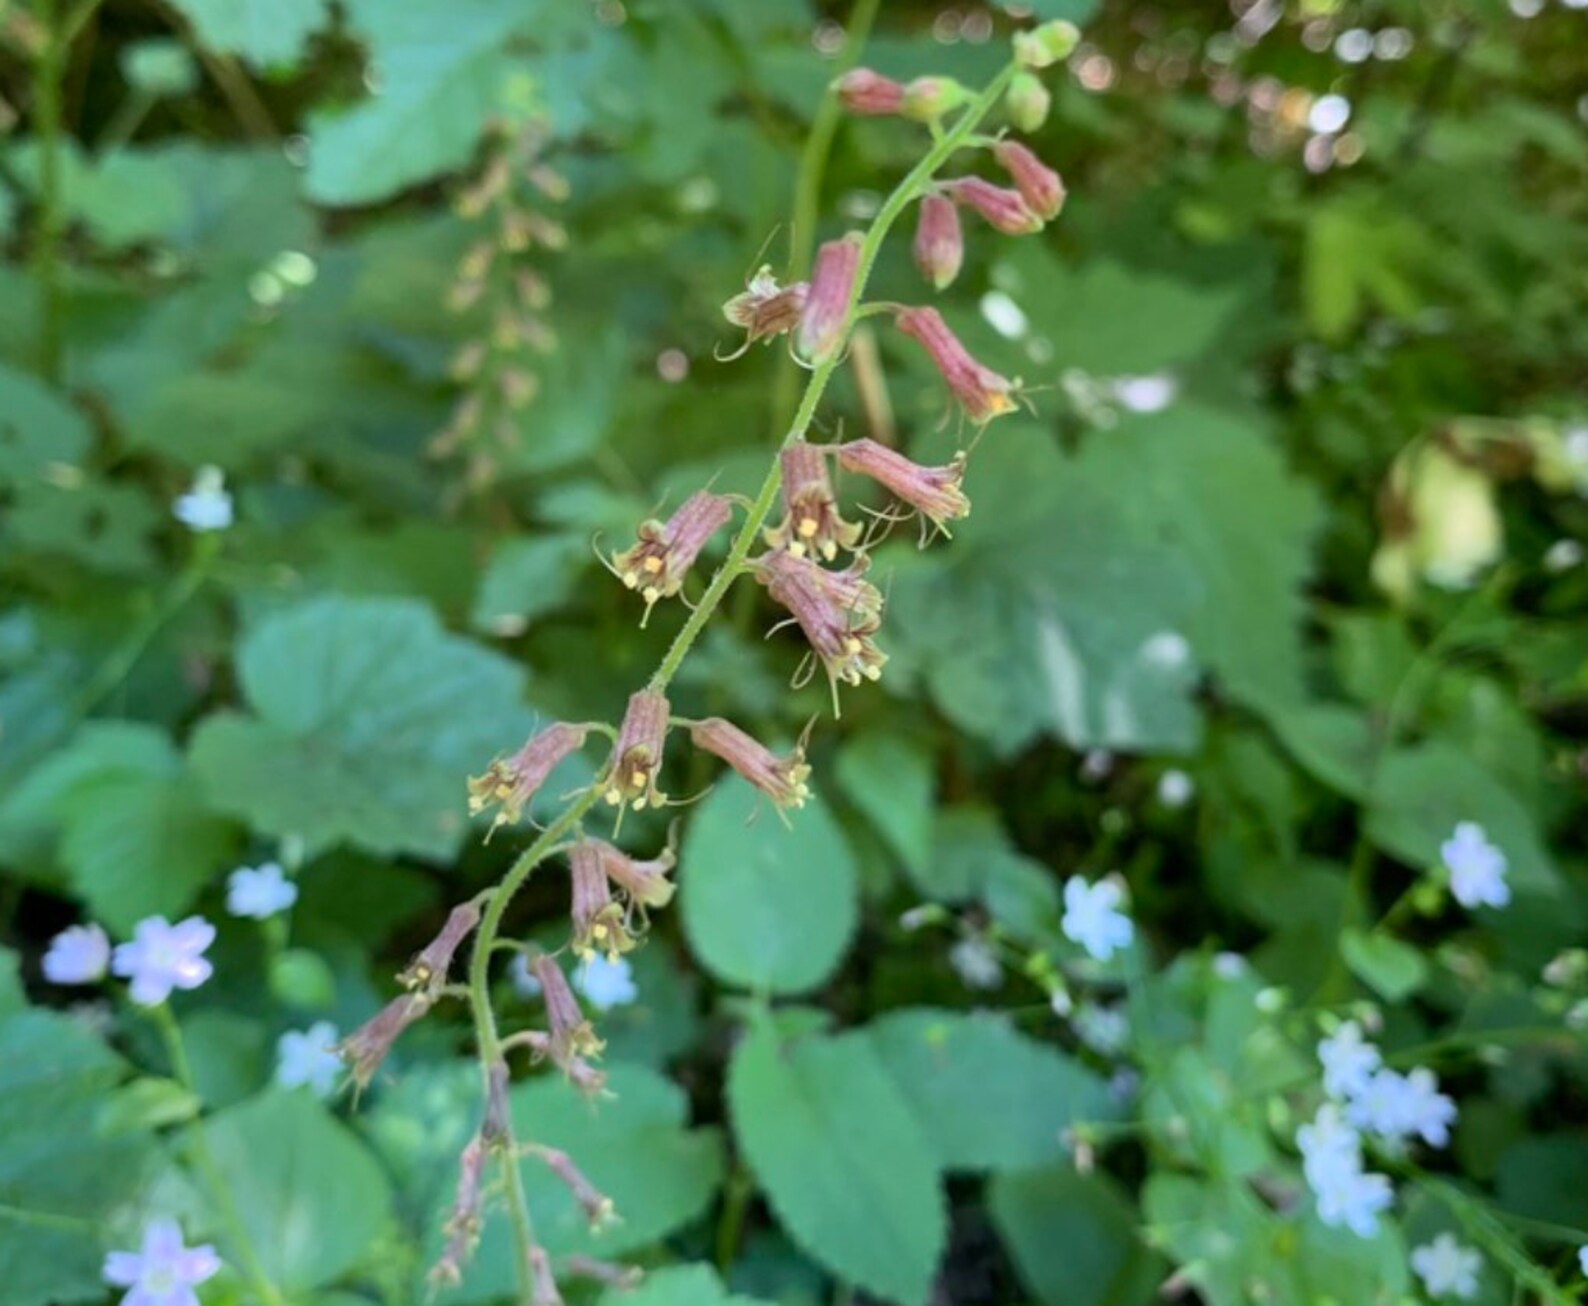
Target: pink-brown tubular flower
x=811, y=519
x=821, y=330
x=933, y=491
x=643, y=884
x=659, y=561
x=765, y=309
x=782, y=779
x=428, y=970
x=838, y=612
x=571, y=1035
x=1040, y=187
x=465, y=1220
x=514, y=781
x=868, y=93
x=637, y=755
x=982, y=392
x=939, y=241
x=1004, y=209
x=366, y=1047
x=599, y=923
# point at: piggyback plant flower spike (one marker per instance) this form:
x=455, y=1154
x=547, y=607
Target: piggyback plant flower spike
x=837, y=607
x=503, y=297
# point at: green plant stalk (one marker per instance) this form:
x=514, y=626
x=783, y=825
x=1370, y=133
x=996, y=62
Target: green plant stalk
x=198, y=1149
x=50, y=73
x=488, y=1037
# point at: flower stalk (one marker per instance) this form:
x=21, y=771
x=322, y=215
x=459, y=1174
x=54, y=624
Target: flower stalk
x=735, y=565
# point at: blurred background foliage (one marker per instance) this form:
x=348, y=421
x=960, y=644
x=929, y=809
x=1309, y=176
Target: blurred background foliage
x=1307, y=242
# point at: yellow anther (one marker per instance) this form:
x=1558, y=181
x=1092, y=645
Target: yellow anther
x=809, y=526
x=652, y=564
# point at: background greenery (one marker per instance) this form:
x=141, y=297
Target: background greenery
x=235, y=230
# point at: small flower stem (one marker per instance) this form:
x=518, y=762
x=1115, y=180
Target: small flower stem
x=488, y=1037
x=198, y=1149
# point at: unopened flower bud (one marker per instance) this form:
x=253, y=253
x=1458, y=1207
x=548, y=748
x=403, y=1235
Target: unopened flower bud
x=1044, y=46
x=1028, y=102
x=838, y=612
x=427, y=972
x=934, y=492
x=868, y=93
x=514, y=781
x=811, y=521
x=765, y=309
x=926, y=99
x=658, y=563
x=939, y=240
x=1004, y=209
x=821, y=330
x=782, y=779
x=1038, y=184
x=598, y=921
x=983, y=393
x=637, y=755
x=368, y=1045
x=571, y=1034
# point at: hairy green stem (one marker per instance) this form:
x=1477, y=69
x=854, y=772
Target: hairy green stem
x=488, y=1037
x=198, y=1149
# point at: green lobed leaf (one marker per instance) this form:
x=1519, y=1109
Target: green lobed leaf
x=678, y=1285
x=891, y=781
x=765, y=906
x=60, y=1178
x=440, y=73
x=367, y=719
x=308, y=1193
x=1392, y=969
x=1073, y=1238
x=1421, y=793
x=266, y=33
x=986, y=1097
x=836, y=1147
x=1085, y=602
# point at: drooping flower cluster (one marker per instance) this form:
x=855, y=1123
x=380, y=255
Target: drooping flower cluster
x=504, y=298
x=815, y=566
x=1365, y=1097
